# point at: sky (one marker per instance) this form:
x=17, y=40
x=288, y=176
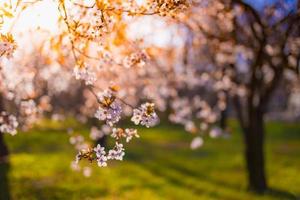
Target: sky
x=43, y=15
x=260, y=4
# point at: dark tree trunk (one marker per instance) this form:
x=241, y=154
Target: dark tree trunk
x=223, y=119
x=4, y=181
x=254, y=151
x=3, y=149
x=224, y=113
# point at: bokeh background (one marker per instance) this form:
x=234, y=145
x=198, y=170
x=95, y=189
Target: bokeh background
x=203, y=72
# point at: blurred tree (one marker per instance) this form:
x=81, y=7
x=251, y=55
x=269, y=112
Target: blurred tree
x=230, y=51
x=254, y=50
x=271, y=41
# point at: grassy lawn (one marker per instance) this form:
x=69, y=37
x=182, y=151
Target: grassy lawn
x=159, y=165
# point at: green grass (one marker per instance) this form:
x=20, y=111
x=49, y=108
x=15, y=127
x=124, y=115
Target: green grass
x=159, y=165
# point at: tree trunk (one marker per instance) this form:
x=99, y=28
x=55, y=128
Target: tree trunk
x=3, y=149
x=4, y=181
x=223, y=119
x=254, y=151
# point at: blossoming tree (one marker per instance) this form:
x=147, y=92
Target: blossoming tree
x=239, y=53
x=226, y=50
x=101, y=55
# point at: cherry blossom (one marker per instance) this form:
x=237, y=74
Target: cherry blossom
x=109, y=110
x=7, y=45
x=117, y=153
x=196, y=143
x=8, y=123
x=216, y=132
x=101, y=156
x=145, y=115
x=130, y=133
x=81, y=72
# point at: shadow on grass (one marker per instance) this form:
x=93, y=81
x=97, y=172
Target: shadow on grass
x=166, y=165
x=4, y=181
x=47, y=189
x=162, y=158
x=280, y=194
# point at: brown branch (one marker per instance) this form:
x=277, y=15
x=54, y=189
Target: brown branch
x=65, y=18
x=252, y=11
x=84, y=6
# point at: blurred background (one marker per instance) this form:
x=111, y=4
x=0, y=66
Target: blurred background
x=223, y=77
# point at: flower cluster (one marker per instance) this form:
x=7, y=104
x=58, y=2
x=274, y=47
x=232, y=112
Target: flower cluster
x=28, y=107
x=109, y=110
x=197, y=116
x=8, y=123
x=99, y=154
x=145, y=115
x=82, y=72
x=7, y=45
x=117, y=153
x=135, y=59
x=128, y=133
x=29, y=113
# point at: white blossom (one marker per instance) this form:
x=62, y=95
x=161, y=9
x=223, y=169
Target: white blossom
x=190, y=127
x=105, y=129
x=8, y=123
x=118, y=133
x=135, y=59
x=87, y=171
x=109, y=110
x=75, y=166
x=28, y=107
x=145, y=115
x=215, y=132
x=117, y=153
x=101, y=156
x=196, y=143
x=131, y=133
x=84, y=73
x=110, y=114
x=128, y=133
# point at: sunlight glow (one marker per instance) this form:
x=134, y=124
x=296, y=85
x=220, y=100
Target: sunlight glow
x=42, y=15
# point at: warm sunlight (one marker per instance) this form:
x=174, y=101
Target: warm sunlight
x=39, y=15
x=149, y=99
